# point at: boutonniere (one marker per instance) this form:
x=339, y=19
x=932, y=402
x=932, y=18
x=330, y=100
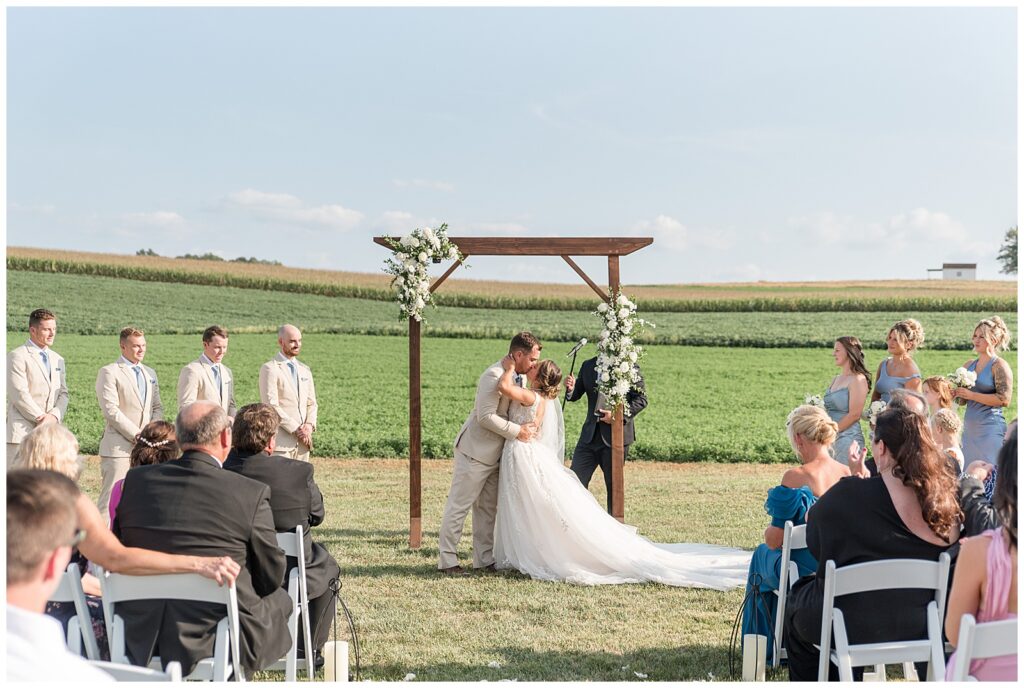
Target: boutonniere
x=152, y=381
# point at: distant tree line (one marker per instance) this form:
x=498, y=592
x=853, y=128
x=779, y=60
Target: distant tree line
x=211, y=256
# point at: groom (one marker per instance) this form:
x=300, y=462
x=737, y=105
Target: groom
x=478, y=450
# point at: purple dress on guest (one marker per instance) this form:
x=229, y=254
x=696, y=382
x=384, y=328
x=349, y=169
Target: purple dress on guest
x=994, y=607
x=115, y=499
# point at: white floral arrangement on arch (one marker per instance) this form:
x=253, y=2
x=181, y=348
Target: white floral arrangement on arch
x=412, y=254
x=617, y=351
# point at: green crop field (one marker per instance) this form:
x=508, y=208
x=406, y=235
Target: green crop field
x=707, y=404
x=103, y=305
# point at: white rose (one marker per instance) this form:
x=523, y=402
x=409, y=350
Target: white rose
x=622, y=300
x=626, y=342
x=632, y=356
x=415, y=242
x=622, y=388
x=602, y=307
x=420, y=303
x=623, y=367
x=612, y=323
x=605, y=377
x=605, y=334
x=623, y=313
x=627, y=327
x=453, y=252
x=422, y=257
x=429, y=234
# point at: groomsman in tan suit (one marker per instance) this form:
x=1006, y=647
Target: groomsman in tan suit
x=478, y=449
x=37, y=390
x=208, y=379
x=287, y=384
x=129, y=399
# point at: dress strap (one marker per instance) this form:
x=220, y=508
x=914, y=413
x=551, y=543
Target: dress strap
x=1000, y=575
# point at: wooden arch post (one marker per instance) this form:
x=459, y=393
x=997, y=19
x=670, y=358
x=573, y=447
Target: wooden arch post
x=566, y=248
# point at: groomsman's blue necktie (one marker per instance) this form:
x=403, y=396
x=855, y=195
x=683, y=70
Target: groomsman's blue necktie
x=140, y=381
x=46, y=361
x=216, y=378
x=295, y=376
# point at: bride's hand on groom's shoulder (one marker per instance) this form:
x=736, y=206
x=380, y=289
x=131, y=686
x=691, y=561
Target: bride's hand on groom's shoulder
x=508, y=363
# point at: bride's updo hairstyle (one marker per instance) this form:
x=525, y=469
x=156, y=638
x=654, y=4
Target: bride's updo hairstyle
x=995, y=332
x=549, y=377
x=909, y=334
x=811, y=423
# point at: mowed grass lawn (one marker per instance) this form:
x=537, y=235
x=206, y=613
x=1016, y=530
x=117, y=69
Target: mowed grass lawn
x=412, y=620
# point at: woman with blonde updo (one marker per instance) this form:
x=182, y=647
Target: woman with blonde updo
x=899, y=370
x=938, y=392
x=984, y=424
x=811, y=434
x=945, y=424
x=51, y=447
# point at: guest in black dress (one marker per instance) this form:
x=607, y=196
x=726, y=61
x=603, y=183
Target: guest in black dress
x=909, y=511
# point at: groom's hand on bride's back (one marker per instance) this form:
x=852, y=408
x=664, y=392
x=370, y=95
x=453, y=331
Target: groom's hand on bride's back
x=526, y=432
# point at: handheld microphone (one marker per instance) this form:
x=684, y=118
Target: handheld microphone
x=582, y=343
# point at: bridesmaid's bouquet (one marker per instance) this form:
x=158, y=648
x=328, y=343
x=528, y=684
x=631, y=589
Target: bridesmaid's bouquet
x=873, y=411
x=815, y=400
x=962, y=377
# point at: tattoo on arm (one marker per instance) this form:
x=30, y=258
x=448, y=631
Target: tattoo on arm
x=1002, y=383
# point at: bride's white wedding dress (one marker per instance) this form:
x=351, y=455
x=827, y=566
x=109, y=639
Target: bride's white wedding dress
x=550, y=527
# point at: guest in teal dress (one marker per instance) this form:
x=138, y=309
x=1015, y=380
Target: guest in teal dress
x=899, y=370
x=811, y=433
x=846, y=394
x=984, y=424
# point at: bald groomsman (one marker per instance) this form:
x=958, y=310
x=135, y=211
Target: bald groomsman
x=287, y=385
x=129, y=399
x=37, y=389
x=208, y=379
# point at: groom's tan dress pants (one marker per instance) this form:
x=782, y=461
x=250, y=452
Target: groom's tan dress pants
x=474, y=486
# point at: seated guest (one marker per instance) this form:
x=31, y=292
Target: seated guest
x=811, y=434
x=979, y=513
x=42, y=529
x=938, y=393
x=53, y=447
x=192, y=506
x=908, y=511
x=945, y=424
x=900, y=399
x=295, y=500
x=155, y=444
x=985, y=582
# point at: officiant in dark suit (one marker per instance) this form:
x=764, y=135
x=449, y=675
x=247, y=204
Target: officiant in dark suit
x=594, y=448
x=295, y=500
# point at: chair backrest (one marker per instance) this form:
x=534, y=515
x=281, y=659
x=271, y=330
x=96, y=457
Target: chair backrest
x=128, y=672
x=291, y=543
x=793, y=537
x=189, y=587
x=70, y=590
x=981, y=641
x=798, y=536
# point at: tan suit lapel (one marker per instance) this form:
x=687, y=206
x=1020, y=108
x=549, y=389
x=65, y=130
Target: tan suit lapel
x=34, y=353
x=208, y=369
x=129, y=376
x=54, y=371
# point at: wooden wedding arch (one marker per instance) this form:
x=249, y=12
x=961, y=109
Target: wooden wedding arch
x=566, y=248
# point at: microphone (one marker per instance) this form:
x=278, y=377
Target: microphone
x=582, y=343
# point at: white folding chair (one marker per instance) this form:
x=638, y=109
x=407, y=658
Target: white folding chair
x=291, y=543
x=887, y=574
x=793, y=537
x=129, y=672
x=79, y=626
x=981, y=641
x=177, y=586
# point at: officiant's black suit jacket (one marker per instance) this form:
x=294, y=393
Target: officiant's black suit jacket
x=295, y=500
x=193, y=506
x=586, y=383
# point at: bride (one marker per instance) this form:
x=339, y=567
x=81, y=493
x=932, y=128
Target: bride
x=550, y=527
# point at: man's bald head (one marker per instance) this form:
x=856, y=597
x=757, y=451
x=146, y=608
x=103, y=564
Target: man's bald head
x=290, y=340
x=199, y=425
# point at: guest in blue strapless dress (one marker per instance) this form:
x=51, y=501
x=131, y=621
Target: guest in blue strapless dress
x=984, y=424
x=845, y=396
x=811, y=432
x=899, y=370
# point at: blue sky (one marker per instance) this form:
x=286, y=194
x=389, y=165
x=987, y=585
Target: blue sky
x=767, y=143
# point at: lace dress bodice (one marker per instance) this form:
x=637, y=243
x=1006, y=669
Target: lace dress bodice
x=519, y=414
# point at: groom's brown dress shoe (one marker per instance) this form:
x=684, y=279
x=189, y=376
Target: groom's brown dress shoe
x=454, y=571
x=488, y=569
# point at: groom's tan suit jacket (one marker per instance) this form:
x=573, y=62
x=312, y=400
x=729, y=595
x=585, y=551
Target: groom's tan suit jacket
x=197, y=383
x=484, y=433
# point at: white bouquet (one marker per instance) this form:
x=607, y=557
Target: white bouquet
x=962, y=377
x=815, y=400
x=408, y=264
x=873, y=411
x=617, y=352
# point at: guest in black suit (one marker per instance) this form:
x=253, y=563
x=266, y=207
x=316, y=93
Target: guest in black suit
x=594, y=447
x=192, y=506
x=295, y=500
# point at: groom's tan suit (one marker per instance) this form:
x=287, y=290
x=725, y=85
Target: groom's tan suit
x=478, y=448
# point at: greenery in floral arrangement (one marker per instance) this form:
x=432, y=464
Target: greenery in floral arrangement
x=408, y=264
x=618, y=354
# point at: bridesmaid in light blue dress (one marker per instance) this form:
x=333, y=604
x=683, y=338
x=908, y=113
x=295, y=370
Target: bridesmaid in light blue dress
x=984, y=424
x=845, y=396
x=899, y=370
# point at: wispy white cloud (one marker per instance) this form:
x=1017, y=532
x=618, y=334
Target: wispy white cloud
x=289, y=209
x=401, y=222
x=158, y=218
x=36, y=209
x=672, y=234
x=436, y=185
